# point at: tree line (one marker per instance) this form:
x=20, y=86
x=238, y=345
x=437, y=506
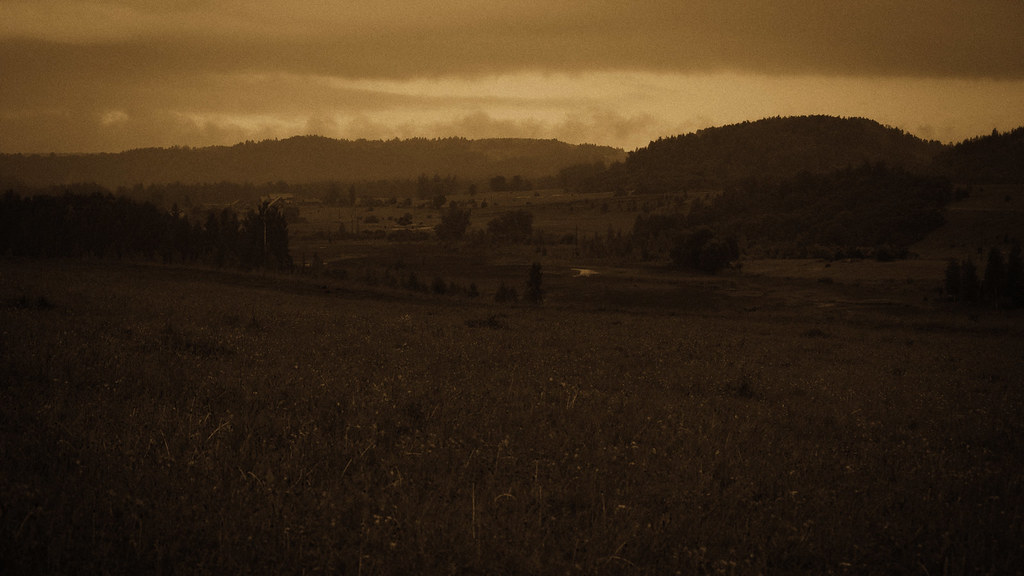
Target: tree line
x=88, y=221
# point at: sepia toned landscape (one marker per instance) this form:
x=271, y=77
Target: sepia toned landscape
x=414, y=288
x=565, y=375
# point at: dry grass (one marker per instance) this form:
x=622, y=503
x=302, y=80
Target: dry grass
x=156, y=420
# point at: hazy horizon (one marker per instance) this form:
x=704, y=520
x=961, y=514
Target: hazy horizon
x=455, y=136
x=102, y=76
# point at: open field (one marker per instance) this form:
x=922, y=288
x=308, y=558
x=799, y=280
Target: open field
x=556, y=214
x=640, y=421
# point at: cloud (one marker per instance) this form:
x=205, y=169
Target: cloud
x=113, y=117
x=85, y=75
x=626, y=109
x=402, y=39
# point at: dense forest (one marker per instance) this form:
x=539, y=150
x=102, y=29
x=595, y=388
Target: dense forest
x=88, y=221
x=306, y=159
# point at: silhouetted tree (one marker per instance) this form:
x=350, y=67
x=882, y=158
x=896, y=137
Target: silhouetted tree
x=995, y=275
x=1015, y=276
x=518, y=184
x=715, y=255
x=454, y=223
x=702, y=250
x=953, y=277
x=515, y=226
x=970, y=287
x=506, y=294
x=499, y=184
x=266, y=231
x=534, y=284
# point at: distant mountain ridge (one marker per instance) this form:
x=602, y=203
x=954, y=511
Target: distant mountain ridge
x=771, y=149
x=304, y=159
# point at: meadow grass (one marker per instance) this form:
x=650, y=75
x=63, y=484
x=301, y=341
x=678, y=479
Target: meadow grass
x=174, y=420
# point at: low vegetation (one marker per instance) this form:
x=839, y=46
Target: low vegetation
x=160, y=418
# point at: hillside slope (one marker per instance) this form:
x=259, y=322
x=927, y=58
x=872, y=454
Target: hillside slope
x=993, y=159
x=769, y=149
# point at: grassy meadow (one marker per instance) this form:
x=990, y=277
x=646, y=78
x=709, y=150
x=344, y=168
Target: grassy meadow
x=161, y=419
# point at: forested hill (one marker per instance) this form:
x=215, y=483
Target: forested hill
x=769, y=149
x=303, y=159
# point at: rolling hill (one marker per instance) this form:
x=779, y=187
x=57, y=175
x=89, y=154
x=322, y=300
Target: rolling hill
x=819, y=185
x=304, y=159
x=769, y=149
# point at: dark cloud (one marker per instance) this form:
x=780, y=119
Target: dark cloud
x=403, y=39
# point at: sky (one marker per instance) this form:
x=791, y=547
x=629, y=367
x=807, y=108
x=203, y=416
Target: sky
x=106, y=76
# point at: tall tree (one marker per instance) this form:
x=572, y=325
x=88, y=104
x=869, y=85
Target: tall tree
x=267, y=233
x=995, y=275
x=953, y=277
x=970, y=287
x=454, y=222
x=1015, y=276
x=534, y=284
